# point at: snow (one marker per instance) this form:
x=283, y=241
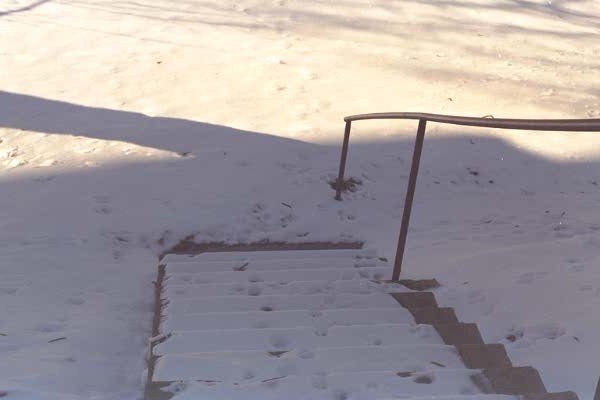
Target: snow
x=125, y=127
x=266, y=265
x=284, y=319
x=307, y=362
x=323, y=274
x=338, y=386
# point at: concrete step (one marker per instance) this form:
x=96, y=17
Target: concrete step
x=434, y=315
x=272, y=264
x=412, y=300
x=354, y=286
x=512, y=380
x=550, y=396
x=314, y=302
x=347, y=385
x=281, y=276
x=284, y=319
x=484, y=356
x=286, y=339
x=463, y=397
x=536, y=396
x=420, y=284
x=269, y=255
x=458, y=334
x=233, y=366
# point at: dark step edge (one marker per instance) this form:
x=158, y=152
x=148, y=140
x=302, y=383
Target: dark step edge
x=509, y=381
x=420, y=285
x=154, y=391
x=189, y=246
x=460, y=333
x=550, y=396
x=476, y=354
x=412, y=300
x=483, y=356
x=156, y=320
x=434, y=315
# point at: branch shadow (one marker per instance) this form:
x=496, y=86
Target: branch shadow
x=24, y=8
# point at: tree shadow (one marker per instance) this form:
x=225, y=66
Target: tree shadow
x=213, y=169
x=29, y=7
x=19, y=111
x=239, y=186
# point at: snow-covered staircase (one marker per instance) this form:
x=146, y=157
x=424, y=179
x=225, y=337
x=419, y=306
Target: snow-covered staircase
x=316, y=325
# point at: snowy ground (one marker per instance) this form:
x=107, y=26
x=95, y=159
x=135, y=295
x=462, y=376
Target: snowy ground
x=126, y=123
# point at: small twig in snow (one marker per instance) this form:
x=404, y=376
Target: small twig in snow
x=241, y=267
x=158, y=338
x=57, y=339
x=286, y=204
x=277, y=353
x=274, y=379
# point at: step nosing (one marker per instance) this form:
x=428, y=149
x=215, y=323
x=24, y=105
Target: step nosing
x=335, y=327
x=443, y=347
x=334, y=295
x=315, y=269
x=279, y=312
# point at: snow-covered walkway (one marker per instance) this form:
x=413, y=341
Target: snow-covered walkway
x=128, y=126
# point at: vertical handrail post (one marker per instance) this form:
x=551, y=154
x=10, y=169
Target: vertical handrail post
x=340, y=180
x=410, y=193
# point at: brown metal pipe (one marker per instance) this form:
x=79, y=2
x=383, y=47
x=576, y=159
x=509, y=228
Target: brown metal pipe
x=340, y=180
x=572, y=125
x=579, y=125
x=410, y=194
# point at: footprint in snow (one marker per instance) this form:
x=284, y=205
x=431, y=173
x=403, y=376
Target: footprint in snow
x=75, y=301
x=319, y=382
x=576, y=268
x=424, y=379
x=279, y=341
x=254, y=291
x=260, y=325
x=49, y=327
x=48, y=163
x=7, y=291
x=306, y=354
x=529, y=277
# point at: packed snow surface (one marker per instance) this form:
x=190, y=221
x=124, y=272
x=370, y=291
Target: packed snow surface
x=127, y=126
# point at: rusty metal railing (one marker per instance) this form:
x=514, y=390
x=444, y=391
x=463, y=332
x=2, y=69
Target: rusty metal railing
x=566, y=125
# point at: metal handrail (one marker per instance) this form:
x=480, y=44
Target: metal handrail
x=566, y=125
